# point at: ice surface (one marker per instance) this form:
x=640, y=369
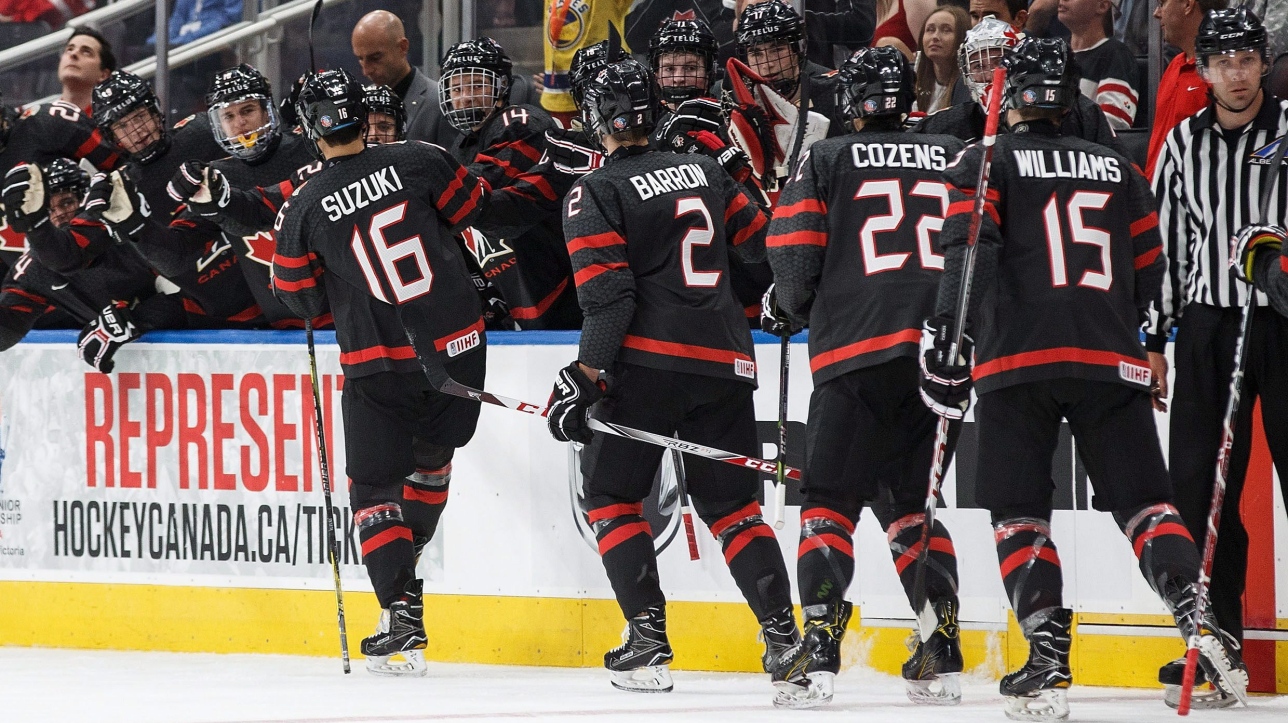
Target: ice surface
x=97, y=686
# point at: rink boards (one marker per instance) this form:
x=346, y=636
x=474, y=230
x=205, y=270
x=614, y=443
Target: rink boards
x=176, y=505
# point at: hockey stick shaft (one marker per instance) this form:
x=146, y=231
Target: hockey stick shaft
x=313, y=19
x=921, y=606
x=1241, y=344
x=686, y=506
x=780, y=489
x=332, y=544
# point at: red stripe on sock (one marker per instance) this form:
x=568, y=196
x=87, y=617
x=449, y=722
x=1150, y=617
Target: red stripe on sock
x=415, y=494
x=937, y=544
x=1022, y=557
x=622, y=534
x=822, y=542
x=618, y=510
x=1167, y=528
x=380, y=539
x=733, y=518
x=744, y=538
x=824, y=513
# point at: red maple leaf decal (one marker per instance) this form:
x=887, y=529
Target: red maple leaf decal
x=689, y=14
x=261, y=247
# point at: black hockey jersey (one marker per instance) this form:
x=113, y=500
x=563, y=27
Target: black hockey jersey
x=855, y=249
x=531, y=270
x=376, y=229
x=1069, y=260
x=41, y=134
x=650, y=235
x=966, y=121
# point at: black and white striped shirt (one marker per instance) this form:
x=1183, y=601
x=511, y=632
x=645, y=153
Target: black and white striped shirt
x=1208, y=181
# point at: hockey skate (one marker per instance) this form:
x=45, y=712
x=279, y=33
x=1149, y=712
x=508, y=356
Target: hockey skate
x=932, y=675
x=641, y=664
x=805, y=673
x=1220, y=661
x=395, y=649
x=1039, y=690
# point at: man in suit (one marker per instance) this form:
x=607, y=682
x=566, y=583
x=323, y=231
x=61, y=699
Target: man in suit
x=380, y=44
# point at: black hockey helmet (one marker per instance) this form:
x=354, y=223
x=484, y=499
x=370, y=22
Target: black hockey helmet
x=621, y=97
x=382, y=99
x=479, y=72
x=586, y=64
x=773, y=22
x=1228, y=30
x=287, y=109
x=330, y=101
x=64, y=174
x=684, y=36
x=119, y=95
x=875, y=82
x=1040, y=73
x=229, y=89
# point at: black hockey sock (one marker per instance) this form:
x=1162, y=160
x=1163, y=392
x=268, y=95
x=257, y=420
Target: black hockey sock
x=904, y=537
x=1162, y=544
x=1030, y=569
x=626, y=549
x=754, y=559
x=825, y=558
x=386, y=550
x=424, y=497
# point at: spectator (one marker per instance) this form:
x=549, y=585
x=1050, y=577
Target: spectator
x=380, y=44
x=1014, y=12
x=53, y=13
x=897, y=19
x=1182, y=92
x=937, y=71
x=87, y=60
x=570, y=26
x=192, y=19
x=1109, y=72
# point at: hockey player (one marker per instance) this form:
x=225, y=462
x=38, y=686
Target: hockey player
x=864, y=303
x=664, y=348
x=1209, y=179
x=245, y=124
x=682, y=55
x=501, y=142
x=39, y=135
x=115, y=298
x=978, y=55
x=132, y=204
x=386, y=118
x=392, y=246
x=1055, y=317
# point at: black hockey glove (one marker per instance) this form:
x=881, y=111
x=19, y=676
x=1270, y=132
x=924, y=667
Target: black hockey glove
x=496, y=312
x=693, y=116
x=570, y=404
x=1245, y=244
x=100, y=338
x=24, y=196
x=730, y=157
x=772, y=319
x=570, y=157
x=945, y=383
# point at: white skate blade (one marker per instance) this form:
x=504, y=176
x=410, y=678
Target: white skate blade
x=1233, y=681
x=407, y=664
x=946, y=689
x=649, y=679
x=816, y=693
x=1203, y=698
x=1047, y=705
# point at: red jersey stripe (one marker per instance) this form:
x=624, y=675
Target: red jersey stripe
x=533, y=312
x=797, y=238
x=594, y=270
x=809, y=205
x=379, y=351
x=1142, y=225
x=293, y=262
x=749, y=230
x=687, y=351
x=1148, y=257
x=867, y=346
x=739, y=203
x=598, y=241
x=440, y=344
x=1052, y=356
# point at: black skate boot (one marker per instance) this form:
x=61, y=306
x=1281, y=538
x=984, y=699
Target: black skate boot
x=1220, y=661
x=1039, y=690
x=804, y=674
x=400, y=634
x=932, y=675
x=641, y=663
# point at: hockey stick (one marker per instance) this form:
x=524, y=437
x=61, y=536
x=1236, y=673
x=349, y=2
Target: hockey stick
x=927, y=621
x=442, y=382
x=333, y=546
x=686, y=505
x=313, y=19
x=1241, y=343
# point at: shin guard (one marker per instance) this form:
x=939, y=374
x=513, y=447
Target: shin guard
x=1030, y=569
x=424, y=497
x=825, y=558
x=904, y=538
x=1162, y=544
x=754, y=559
x=386, y=550
x=626, y=549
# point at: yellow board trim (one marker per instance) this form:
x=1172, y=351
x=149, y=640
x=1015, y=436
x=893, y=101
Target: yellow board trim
x=564, y=632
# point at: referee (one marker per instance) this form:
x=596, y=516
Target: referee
x=1208, y=180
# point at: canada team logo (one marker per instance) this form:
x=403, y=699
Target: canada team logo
x=661, y=507
x=260, y=247
x=684, y=15
x=485, y=249
x=11, y=240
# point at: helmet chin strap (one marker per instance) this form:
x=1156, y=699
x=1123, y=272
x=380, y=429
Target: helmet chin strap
x=1232, y=109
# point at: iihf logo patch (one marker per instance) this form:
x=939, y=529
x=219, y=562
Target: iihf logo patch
x=325, y=121
x=870, y=105
x=1030, y=96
